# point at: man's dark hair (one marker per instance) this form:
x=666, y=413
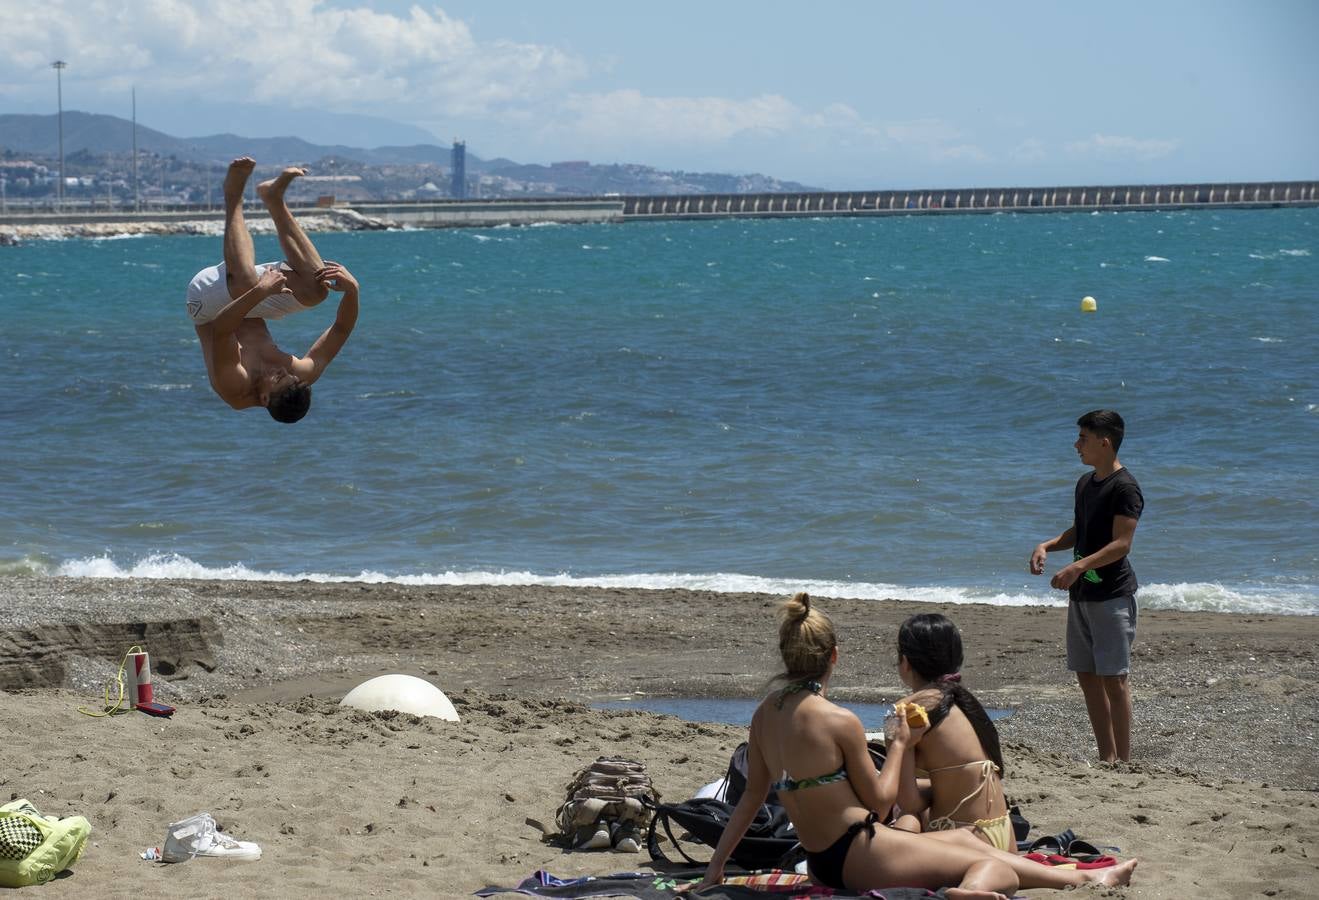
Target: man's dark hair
x=1105, y=423
x=290, y=404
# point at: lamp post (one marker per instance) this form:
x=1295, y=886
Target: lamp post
x=59, y=66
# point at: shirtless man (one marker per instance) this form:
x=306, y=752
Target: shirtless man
x=229, y=305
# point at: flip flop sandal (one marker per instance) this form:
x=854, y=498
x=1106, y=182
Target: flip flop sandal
x=1057, y=843
x=1079, y=848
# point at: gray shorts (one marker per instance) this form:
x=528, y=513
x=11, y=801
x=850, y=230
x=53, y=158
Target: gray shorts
x=1100, y=634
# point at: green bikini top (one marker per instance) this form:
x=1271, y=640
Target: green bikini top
x=787, y=783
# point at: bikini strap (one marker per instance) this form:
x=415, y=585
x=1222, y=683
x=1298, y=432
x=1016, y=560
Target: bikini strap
x=987, y=768
x=787, y=783
x=978, y=762
x=867, y=825
x=806, y=684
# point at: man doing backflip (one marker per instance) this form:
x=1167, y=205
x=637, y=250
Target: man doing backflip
x=230, y=303
x=1101, y=614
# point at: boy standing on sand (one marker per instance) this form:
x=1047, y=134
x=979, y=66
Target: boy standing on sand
x=1101, y=614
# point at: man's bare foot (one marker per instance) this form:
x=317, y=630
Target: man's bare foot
x=273, y=190
x=1115, y=875
x=235, y=180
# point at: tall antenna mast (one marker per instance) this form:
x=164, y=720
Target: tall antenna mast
x=137, y=202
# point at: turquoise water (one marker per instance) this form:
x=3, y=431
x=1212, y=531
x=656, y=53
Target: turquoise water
x=739, y=712
x=864, y=407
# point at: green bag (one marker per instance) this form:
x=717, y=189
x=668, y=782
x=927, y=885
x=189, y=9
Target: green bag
x=58, y=844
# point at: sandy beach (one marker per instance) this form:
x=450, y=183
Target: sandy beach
x=1219, y=802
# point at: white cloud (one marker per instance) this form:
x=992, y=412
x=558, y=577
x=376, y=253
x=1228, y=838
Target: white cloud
x=1116, y=147
x=631, y=124
x=426, y=68
x=932, y=139
x=631, y=115
x=300, y=52
x=839, y=116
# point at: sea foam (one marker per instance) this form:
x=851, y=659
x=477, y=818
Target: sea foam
x=1195, y=597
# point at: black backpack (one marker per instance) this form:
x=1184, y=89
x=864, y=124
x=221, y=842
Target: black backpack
x=770, y=840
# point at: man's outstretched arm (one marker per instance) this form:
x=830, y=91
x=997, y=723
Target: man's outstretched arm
x=327, y=346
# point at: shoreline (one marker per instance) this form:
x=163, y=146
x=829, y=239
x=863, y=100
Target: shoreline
x=1216, y=596
x=1225, y=703
x=312, y=220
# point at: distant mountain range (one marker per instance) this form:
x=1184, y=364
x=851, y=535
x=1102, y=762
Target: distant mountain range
x=38, y=135
x=100, y=134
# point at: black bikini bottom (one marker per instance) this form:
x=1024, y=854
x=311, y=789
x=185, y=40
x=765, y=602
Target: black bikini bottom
x=826, y=866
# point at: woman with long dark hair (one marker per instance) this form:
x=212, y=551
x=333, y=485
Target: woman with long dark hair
x=813, y=753
x=959, y=753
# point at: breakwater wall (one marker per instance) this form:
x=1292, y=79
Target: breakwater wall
x=89, y=221
x=977, y=200
x=460, y=213
x=361, y=215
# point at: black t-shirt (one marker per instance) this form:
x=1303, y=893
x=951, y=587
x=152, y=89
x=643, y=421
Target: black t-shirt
x=1098, y=500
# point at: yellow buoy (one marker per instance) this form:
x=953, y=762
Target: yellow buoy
x=1088, y=304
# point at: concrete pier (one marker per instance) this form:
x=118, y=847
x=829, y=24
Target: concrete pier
x=940, y=201
x=393, y=214
x=460, y=213
x=583, y=210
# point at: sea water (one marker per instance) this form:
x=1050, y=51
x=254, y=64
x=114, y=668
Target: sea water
x=739, y=711
x=877, y=407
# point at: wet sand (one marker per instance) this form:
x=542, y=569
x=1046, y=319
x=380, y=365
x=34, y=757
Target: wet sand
x=1220, y=800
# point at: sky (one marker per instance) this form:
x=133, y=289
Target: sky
x=840, y=95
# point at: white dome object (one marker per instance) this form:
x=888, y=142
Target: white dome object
x=404, y=693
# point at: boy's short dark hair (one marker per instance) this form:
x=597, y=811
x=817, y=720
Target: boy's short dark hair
x=290, y=404
x=1105, y=423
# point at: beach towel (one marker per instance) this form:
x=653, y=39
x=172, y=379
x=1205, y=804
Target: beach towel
x=771, y=885
x=1101, y=861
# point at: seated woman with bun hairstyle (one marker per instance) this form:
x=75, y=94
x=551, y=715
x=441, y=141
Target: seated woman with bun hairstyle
x=813, y=753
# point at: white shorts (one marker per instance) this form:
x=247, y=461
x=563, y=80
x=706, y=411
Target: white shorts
x=208, y=294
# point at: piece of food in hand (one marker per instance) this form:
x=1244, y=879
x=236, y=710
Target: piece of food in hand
x=914, y=713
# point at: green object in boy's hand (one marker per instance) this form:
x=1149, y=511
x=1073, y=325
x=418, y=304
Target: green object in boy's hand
x=1090, y=574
